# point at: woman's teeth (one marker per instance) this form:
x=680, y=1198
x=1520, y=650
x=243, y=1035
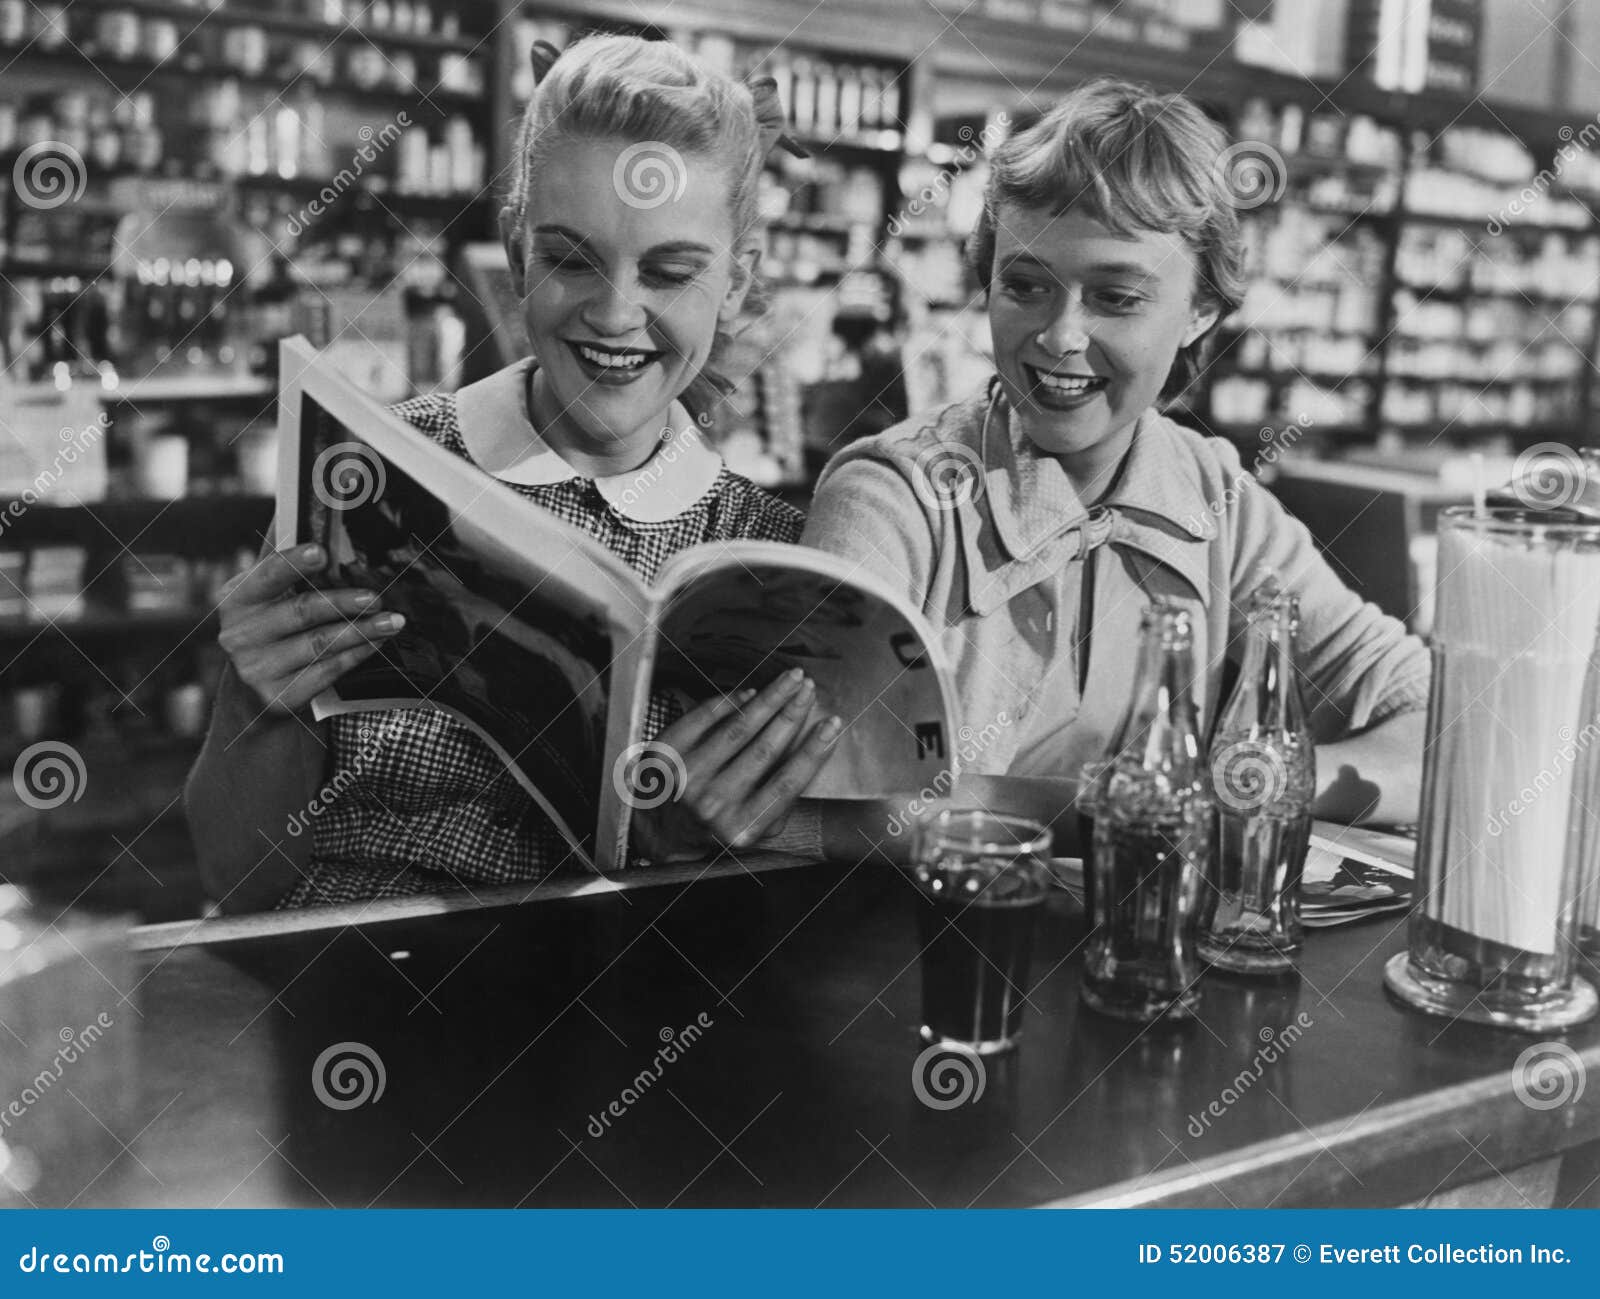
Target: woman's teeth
x=1068, y=385
x=613, y=360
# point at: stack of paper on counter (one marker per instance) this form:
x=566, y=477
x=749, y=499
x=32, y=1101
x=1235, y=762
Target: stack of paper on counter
x=1353, y=872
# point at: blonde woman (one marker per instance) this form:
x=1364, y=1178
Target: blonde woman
x=626, y=299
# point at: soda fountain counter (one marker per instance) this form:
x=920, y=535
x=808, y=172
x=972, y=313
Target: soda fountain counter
x=745, y=1034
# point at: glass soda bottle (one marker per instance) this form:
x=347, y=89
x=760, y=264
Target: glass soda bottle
x=1264, y=778
x=1152, y=838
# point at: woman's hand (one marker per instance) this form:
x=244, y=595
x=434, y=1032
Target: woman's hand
x=290, y=646
x=740, y=762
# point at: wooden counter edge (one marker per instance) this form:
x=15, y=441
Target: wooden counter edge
x=275, y=924
x=1368, y=1149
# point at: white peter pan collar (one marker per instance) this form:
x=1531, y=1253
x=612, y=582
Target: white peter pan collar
x=492, y=415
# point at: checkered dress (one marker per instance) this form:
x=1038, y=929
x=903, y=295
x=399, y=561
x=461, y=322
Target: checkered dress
x=422, y=804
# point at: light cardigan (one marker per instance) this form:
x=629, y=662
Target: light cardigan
x=997, y=568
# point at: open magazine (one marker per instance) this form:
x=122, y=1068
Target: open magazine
x=548, y=646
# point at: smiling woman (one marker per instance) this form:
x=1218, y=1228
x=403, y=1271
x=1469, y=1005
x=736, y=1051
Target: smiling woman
x=631, y=234
x=1110, y=249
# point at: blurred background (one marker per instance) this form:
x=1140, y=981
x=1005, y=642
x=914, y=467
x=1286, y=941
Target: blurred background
x=188, y=183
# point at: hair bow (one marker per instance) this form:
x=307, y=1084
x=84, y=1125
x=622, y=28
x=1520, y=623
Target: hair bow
x=543, y=56
x=770, y=119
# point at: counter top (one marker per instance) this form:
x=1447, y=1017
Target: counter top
x=520, y=1049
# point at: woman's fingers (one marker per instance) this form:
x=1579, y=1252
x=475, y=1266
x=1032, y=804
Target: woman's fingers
x=278, y=672
x=764, y=778
x=259, y=626
x=768, y=747
x=771, y=800
x=296, y=653
x=727, y=742
x=300, y=689
x=275, y=574
x=704, y=717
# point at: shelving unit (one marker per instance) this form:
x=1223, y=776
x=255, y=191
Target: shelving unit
x=873, y=314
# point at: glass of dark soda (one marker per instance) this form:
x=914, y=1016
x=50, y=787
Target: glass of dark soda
x=983, y=878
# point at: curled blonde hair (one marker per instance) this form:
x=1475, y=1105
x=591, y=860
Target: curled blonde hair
x=1134, y=161
x=627, y=88
x=608, y=87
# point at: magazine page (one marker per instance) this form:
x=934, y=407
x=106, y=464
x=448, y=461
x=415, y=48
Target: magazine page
x=740, y=613
x=511, y=614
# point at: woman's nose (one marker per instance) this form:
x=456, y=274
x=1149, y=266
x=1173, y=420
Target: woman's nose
x=614, y=310
x=1066, y=333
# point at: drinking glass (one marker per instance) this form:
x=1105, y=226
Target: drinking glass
x=983, y=878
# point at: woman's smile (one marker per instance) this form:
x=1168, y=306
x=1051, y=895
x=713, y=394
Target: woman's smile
x=613, y=366
x=1063, y=390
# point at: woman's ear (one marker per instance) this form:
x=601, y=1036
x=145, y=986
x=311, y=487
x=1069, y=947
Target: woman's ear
x=746, y=258
x=511, y=236
x=1200, y=320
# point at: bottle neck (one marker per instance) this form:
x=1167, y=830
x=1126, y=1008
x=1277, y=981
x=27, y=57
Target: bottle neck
x=1267, y=698
x=1162, y=730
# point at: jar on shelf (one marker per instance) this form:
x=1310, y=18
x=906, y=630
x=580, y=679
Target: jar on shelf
x=160, y=39
x=245, y=48
x=116, y=33
x=459, y=74
x=49, y=27
x=312, y=60
x=13, y=22
x=402, y=71
x=367, y=67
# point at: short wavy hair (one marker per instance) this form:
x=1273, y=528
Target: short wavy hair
x=1135, y=161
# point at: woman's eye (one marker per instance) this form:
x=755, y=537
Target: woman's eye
x=1112, y=300
x=1020, y=288
x=672, y=275
x=566, y=263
